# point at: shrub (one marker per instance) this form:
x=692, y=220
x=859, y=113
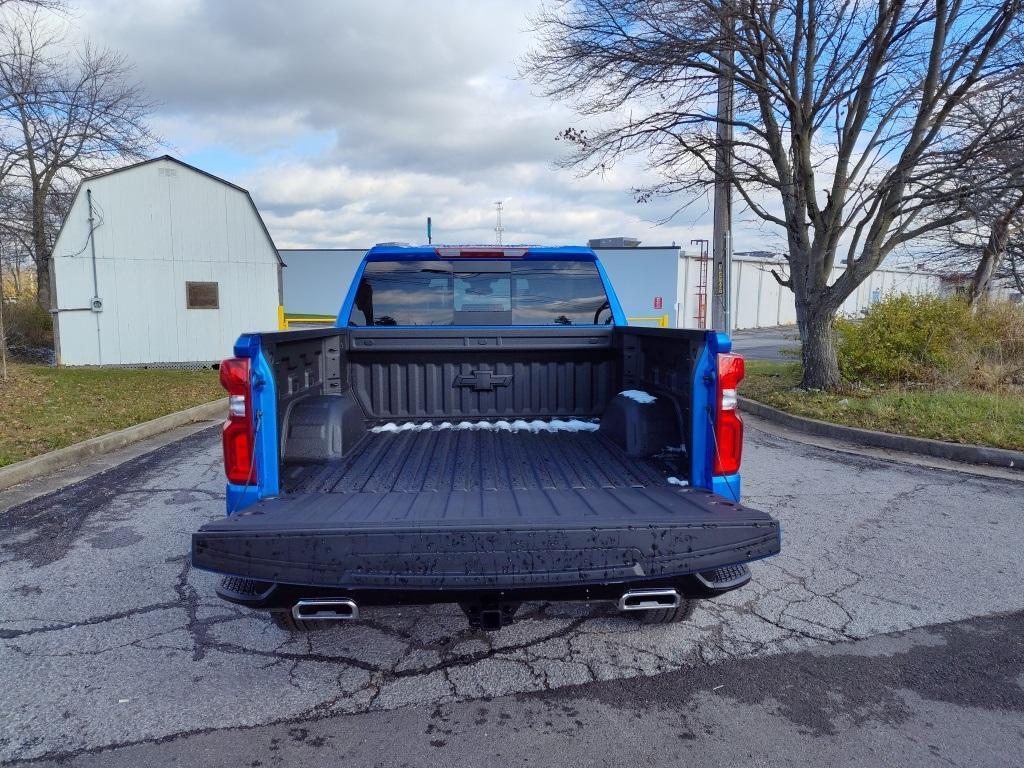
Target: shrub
x=1002, y=325
x=933, y=339
x=27, y=326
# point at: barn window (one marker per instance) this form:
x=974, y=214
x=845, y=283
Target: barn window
x=202, y=295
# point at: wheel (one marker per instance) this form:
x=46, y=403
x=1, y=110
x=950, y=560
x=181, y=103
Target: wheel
x=283, y=619
x=681, y=612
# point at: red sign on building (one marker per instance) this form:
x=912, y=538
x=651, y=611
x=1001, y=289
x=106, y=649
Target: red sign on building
x=657, y=302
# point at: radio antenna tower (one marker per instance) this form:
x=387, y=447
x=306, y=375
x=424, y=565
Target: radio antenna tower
x=498, y=229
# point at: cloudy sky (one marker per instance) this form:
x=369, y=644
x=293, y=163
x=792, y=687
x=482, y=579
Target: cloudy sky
x=351, y=122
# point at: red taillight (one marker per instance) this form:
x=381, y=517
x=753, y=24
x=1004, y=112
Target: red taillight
x=238, y=433
x=479, y=252
x=728, y=424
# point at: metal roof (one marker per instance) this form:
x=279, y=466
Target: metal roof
x=183, y=164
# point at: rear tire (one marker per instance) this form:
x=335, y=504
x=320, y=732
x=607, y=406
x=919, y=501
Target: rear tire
x=681, y=612
x=285, y=621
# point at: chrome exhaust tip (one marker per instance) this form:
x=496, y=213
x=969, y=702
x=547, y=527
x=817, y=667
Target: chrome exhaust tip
x=649, y=600
x=326, y=609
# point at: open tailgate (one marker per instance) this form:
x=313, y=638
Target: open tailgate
x=473, y=539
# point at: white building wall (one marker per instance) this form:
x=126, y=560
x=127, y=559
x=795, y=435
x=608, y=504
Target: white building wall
x=158, y=226
x=640, y=275
x=316, y=281
x=758, y=301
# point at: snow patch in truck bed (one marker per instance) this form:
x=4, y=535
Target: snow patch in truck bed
x=645, y=398
x=519, y=425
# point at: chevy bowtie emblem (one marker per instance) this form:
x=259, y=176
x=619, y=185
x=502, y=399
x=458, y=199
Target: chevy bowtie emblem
x=483, y=381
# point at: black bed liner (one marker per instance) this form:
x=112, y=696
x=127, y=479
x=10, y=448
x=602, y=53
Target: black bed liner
x=492, y=460
x=462, y=509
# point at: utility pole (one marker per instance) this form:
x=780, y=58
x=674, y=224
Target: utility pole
x=498, y=229
x=721, y=247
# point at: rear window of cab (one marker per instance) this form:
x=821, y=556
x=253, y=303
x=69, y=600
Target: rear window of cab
x=440, y=292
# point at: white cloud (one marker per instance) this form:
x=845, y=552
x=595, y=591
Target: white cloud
x=352, y=122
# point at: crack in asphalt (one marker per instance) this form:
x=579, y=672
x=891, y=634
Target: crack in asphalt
x=42, y=530
x=199, y=630
x=999, y=691
x=808, y=596
x=10, y=634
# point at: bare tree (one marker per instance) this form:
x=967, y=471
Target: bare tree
x=1012, y=268
x=993, y=253
x=842, y=132
x=990, y=128
x=74, y=112
x=14, y=253
x=981, y=248
x=53, y=5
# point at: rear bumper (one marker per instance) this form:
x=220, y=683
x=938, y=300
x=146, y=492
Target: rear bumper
x=269, y=596
x=440, y=564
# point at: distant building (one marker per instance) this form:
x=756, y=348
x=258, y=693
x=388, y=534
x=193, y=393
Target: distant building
x=959, y=283
x=656, y=285
x=174, y=266
x=614, y=242
x=758, y=254
x=660, y=286
x=317, y=279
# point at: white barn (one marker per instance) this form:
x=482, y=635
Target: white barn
x=174, y=265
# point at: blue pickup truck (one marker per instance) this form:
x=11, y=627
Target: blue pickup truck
x=481, y=427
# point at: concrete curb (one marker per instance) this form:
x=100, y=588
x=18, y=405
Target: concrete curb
x=970, y=454
x=37, y=466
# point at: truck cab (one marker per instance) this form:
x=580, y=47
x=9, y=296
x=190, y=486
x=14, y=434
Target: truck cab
x=483, y=427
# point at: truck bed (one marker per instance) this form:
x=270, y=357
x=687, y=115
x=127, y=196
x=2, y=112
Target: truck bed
x=472, y=509
x=446, y=460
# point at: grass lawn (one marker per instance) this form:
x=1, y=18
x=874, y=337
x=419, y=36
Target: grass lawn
x=42, y=409
x=959, y=416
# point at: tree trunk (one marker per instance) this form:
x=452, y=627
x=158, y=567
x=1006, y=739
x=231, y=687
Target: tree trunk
x=818, y=350
x=981, y=283
x=993, y=253
x=41, y=253
x=43, y=287
x=3, y=340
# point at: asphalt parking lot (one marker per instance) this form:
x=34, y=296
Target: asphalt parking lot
x=780, y=344
x=888, y=632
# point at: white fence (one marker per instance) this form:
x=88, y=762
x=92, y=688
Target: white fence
x=658, y=286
